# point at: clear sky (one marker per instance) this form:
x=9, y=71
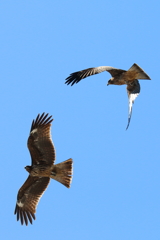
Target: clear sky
x=115, y=192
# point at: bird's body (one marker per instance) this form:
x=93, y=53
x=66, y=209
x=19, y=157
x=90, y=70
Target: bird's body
x=119, y=77
x=116, y=81
x=42, y=169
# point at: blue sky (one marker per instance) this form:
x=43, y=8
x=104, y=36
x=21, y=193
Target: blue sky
x=115, y=192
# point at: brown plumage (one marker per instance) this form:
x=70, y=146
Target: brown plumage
x=42, y=169
x=119, y=77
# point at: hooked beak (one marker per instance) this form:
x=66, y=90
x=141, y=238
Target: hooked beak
x=109, y=82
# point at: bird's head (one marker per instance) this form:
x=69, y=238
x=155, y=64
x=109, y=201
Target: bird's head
x=110, y=82
x=28, y=168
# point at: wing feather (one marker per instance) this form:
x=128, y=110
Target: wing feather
x=133, y=91
x=77, y=76
x=40, y=143
x=30, y=216
x=28, y=198
x=21, y=216
x=25, y=218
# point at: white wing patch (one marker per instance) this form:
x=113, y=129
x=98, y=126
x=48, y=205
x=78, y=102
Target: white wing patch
x=20, y=204
x=33, y=131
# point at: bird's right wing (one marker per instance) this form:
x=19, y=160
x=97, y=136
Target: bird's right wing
x=77, y=76
x=139, y=73
x=133, y=91
x=40, y=142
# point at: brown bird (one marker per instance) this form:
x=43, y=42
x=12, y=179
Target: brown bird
x=119, y=77
x=42, y=169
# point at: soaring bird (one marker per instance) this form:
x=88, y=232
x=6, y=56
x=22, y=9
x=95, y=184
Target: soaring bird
x=119, y=77
x=42, y=153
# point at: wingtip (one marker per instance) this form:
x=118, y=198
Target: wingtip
x=127, y=127
x=129, y=119
x=24, y=216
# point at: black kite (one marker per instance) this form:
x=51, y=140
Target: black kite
x=42, y=153
x=119, y=77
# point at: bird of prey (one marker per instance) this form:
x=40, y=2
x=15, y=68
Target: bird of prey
x=119, y=77
x=42, y=153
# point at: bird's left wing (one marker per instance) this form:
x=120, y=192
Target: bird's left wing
x=28, y=197
x=133, y=91
x=77, y=76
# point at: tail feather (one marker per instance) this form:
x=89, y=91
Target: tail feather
x=140, y=72
x=62, y=172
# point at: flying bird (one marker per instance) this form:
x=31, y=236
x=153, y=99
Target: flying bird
x=119, y=77
x=42, y=153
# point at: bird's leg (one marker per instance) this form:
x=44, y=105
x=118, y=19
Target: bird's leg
x=129, y=83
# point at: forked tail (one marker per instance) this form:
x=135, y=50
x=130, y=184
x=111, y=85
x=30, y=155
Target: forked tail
x=62, y=172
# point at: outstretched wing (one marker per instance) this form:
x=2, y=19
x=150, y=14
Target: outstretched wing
x=40, y=143
x=77, y=76
x=28, y=198
x=133, y=91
